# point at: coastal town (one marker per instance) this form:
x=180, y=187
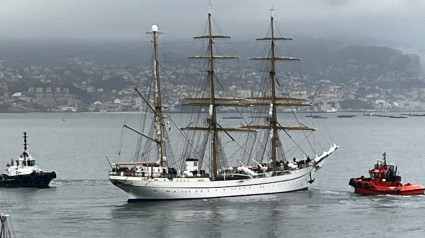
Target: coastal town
x=87, y=86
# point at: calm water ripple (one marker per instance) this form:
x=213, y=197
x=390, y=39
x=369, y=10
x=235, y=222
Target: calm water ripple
x=83, y=203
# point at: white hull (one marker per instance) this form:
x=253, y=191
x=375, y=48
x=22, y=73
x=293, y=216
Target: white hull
x=139, y=188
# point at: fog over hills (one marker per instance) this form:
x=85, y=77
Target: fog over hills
x=81, y=27
x=315, y=54
x=380, y=36
x=58, y=53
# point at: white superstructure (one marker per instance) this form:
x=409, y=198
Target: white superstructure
x=24, y=165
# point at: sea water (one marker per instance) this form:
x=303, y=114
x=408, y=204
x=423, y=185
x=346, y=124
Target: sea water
x=83, y=203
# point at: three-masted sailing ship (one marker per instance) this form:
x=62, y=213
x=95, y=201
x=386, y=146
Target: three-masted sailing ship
x=205, y=173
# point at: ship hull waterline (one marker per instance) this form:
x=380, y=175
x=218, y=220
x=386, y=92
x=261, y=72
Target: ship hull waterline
x=33, y=180
x=142, y=189
x=394, y=191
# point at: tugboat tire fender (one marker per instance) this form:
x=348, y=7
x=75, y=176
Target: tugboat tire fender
x=366, y=185
x=359, y=184
x=33, y=175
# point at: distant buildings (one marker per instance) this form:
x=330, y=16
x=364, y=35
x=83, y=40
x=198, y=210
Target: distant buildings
x=87, y=86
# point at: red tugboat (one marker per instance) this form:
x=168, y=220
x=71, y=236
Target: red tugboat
x=384, y=180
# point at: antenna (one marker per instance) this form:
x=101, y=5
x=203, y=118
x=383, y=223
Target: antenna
x=209, y=6
x=25, y=141
x=272, y=10
x=385, y=157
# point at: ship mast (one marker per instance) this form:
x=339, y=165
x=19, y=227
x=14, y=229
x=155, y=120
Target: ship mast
x=159, y=117
x=272, y=119
x=212, y=107
x=25, y=141
x=273, y=116
x=25, y=146
x=4, y=231
x=212, y=101
x=158, y=137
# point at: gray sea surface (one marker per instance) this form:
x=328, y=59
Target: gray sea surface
x=83, y=203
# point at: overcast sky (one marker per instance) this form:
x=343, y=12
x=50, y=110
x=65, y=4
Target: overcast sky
x=397, y=23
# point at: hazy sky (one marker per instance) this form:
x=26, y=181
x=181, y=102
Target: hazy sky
x=399, y=23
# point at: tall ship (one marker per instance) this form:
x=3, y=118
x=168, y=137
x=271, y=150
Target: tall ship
x=204, y=170
x=25, y=172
